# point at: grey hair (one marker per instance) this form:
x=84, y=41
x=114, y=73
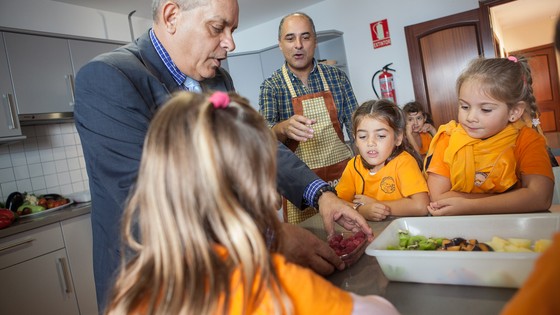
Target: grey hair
x=293, y=14
x=184, y=4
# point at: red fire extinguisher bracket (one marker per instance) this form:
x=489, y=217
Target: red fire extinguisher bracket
x=386, y=83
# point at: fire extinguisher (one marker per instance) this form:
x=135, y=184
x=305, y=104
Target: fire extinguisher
x=385, y=83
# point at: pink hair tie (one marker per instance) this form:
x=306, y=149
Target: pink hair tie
x=512, y=58
x=219, y=99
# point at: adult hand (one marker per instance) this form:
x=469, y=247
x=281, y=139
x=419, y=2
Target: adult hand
x=302, y=247
x=298, y=128
x=371, y=209
x=334, y=209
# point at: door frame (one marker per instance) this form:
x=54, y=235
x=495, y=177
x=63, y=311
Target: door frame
x=487, y=34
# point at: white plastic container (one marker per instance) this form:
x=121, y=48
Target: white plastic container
x=494, y=269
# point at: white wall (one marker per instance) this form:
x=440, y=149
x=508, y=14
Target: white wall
x=533, y=34
x=353, y=19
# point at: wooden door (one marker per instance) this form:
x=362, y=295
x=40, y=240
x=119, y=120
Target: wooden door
x=542, y=60
x=438, y=51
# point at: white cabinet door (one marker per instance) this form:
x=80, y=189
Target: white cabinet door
x=83, y=51
x=9, y=123
x=42, y=285
x=78, y=242
x=41, y=73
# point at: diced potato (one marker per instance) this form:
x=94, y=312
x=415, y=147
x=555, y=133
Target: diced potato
x=516, y=249
x=520, y=242
x=541, y=245
x=498, y=244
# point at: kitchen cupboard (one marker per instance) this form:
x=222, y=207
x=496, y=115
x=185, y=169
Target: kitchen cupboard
x=43, y=69
x=249, y=69
x=48, y=270
x=9, y=124
x=83, y=51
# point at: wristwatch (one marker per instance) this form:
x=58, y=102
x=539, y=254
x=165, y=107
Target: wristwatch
x=320, y=193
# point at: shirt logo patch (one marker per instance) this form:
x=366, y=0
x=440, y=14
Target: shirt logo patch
x=388, y=185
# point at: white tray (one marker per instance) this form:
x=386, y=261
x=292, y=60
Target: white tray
x=495, y=269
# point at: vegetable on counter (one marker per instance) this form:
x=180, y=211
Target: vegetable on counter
x=7, y=217
x=28, y=203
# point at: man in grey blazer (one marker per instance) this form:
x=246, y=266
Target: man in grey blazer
x=117, y=94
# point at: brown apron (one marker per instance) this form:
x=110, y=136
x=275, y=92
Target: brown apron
x=326, y=153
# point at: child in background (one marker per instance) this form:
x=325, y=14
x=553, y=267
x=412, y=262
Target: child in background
x=419, y=129
x=491, y=161
x=385, y=178
x=204, y=205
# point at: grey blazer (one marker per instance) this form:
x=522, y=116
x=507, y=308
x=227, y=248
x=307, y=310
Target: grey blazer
x=117, y=94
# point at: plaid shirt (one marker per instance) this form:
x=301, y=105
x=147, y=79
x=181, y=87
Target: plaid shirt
x=275, y=101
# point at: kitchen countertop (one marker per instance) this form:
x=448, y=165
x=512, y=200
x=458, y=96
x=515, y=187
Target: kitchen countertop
x=32, y=222
x=366, y=277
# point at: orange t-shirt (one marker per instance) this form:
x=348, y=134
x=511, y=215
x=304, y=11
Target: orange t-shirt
x=539, y=293
x=425, y=138
x=308, y=292
x=400, y=178
x=529, y=151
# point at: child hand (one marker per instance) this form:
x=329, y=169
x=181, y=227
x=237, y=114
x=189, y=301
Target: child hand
x=409, y=128
x=429, y=129
x=371, y=209
x=448, y=206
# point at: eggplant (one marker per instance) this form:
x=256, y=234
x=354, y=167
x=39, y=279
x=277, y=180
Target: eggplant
x=52, y=196
x=14, y=201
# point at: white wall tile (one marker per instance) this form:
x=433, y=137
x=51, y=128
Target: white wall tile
x=76, y=176
x=30, y=144
x=21, y=172
x=50, y=160
x=16, y=147
x=59, y=153
x=51, y=180
x=38, y=183
x=29, y=131
x=7, y=189
x=24, y=185
x=64, y=178
x=74, y=164
x=68, y=139
x=33, y=157
x=46, y=155
x=35, y=170
x=7, y=175
x=77, y=138
x=53, y=129
x=5, y=160
x=79, y=186
x=57, y=141
x=61, y=166
x=71, y=151
x=67, y=128
x=18, y=159
x=41, y=130
x=49, y=168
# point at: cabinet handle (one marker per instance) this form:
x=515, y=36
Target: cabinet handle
x=9, y=104
x=16, y=244
x=70, y=83
x=65, y=274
